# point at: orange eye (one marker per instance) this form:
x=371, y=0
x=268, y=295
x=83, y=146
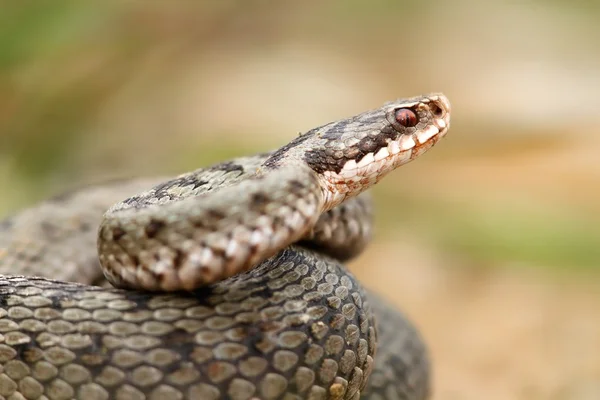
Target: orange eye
x=406, y=117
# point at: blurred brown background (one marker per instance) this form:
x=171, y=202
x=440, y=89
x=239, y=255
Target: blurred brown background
x=490, y=243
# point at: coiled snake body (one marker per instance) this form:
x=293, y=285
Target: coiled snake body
x=229, y=277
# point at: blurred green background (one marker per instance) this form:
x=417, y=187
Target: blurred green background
x=490, y=242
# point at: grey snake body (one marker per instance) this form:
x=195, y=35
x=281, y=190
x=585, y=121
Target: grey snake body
x=216, y=298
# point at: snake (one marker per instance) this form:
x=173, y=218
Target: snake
x=222, y=283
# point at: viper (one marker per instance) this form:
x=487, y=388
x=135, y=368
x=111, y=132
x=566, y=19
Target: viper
x=227, y=281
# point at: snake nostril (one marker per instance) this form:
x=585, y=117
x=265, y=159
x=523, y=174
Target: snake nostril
x=436, y=110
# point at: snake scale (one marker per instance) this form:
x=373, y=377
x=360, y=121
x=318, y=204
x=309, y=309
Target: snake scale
x=229, y=283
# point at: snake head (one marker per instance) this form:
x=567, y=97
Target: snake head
x=425, y=118
x=355, y=153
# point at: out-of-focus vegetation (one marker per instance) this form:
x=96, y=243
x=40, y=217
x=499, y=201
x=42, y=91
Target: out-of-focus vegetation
x=94, y=90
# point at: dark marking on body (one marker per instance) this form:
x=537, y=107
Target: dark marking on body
x=58, y=299
x=154, y=227
x=262, y=330
x=181, y=342
x=259, y=199
x=134, y=201
x=216, y=214
x=162, y=190
x=228, y=166
x=320, y=162
x=367, y=145
x=134, y=259
x=277, y=221
x=335, y=130
x=327, y=160
x=29, y=352
x=178, y=260
x=296, y=184
x=277, y=155
x=117, y=233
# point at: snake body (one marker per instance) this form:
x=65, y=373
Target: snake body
x=242, y=311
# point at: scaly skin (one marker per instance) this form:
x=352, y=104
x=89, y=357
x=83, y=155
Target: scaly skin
x=199, y=228
x=293, y=324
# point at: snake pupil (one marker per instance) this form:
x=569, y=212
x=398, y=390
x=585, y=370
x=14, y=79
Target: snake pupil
x=406, y=117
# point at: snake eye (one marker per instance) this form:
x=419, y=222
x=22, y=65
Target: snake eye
x=406, y=117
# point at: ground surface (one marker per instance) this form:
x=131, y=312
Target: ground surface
x=494, y=333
